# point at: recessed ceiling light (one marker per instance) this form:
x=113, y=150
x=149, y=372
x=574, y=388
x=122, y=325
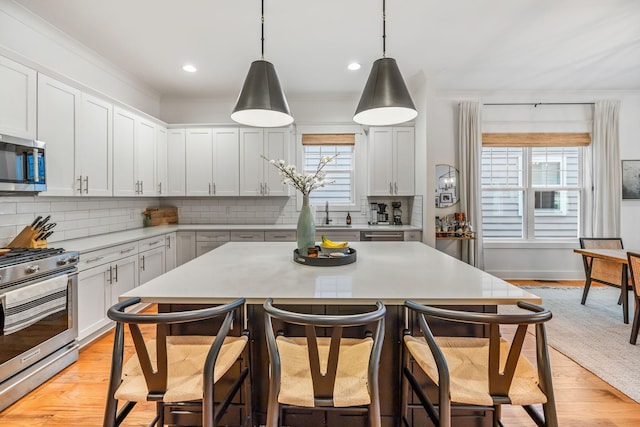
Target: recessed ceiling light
x=353, y=66
x=189, y=68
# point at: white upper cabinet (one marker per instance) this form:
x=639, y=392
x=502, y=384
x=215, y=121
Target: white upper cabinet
x=58, y=107
x=124, y=133
x=17, y=99
x=212, y=162
x=257, y=176
x=162, y=187
x=199, y=166
x=391, y=161
x=176, y=162
x=145, y=158
x=94, y=148
x=134, y=155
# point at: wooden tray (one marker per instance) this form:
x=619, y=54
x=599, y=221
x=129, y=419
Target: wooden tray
x=323, y=260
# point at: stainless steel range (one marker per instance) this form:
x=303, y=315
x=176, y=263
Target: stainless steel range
x=38, y=320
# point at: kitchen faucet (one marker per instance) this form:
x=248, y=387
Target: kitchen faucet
x=326, y=211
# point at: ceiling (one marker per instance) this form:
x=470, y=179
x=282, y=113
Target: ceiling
x=455, y=45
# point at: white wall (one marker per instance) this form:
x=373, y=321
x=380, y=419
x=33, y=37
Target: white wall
x=26, y=38
x=527, y=261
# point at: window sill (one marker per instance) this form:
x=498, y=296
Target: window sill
x=531, y=244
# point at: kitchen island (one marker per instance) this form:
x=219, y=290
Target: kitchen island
x=391, y=272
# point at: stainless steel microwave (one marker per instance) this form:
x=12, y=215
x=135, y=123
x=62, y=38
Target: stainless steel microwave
x=22, y=165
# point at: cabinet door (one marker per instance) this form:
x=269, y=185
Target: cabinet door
x=58, y=106
x=381, y=161
x=92, y=300
x=171, y=252
x=161, y=161
x=17, y=99
x=404, y=161
x=151, y=264
x=204, y=247
x=186, y=245
x=145, y=157
x=251, y=164
x=124, y=131
x=124, y=277
x=226, y=162
x=199, y=155
x=176, y=162
x=94, y=147
x=276, y=146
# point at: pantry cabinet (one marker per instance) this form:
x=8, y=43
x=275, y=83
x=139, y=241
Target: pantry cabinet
x=212, y=162
x=392, y=161
x=17, y=99
x=257, y=176
x=58, y=107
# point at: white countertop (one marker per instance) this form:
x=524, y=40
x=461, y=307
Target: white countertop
x=388, y=271
x=101, y=241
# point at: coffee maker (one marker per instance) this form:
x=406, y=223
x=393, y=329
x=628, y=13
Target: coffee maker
x=383, y=216
x=397, y=213
x=373, y=210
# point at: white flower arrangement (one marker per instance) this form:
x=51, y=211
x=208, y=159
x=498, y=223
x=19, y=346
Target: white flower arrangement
x=305, y=183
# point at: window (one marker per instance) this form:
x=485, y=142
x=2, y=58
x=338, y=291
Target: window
x=531, y=192
x=341, y=170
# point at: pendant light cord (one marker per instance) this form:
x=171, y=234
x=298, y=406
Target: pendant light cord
x=262, y=36
x=384, y=29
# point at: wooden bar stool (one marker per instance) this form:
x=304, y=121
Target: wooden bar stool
x=177, y=371
x=479, y=373
x=324, y=372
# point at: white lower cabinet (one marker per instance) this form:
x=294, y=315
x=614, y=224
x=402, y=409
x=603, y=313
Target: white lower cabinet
x=99, y=287
x=171, y=252
x=151, y=263
x=209, y=240
x=186, y=246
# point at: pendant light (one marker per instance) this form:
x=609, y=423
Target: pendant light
x=385, y=99
x=262, y=102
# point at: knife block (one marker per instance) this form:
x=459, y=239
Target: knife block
x=27, y=239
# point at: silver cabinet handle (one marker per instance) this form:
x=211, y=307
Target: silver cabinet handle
x=110, y=279
x=396, y=187
x=141, y=187
x=137, y=187
x=142, y=266
x=390, y=188
x=383, y=236
x=86, y=184
x=116, y=273
x=266, y=189
x=80, y=180
x=261, y=189
x=98, y=258
x=124, y=251
x=169, y=242
x=209, y=188
x=159, y=188
x=153, y=243
x=214, y=188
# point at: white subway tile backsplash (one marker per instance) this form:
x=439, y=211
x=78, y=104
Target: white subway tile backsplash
x=8, y=208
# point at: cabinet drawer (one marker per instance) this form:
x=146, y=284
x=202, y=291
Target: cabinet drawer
x=280, y=236
x=103, y=256
x=247, y=236
x=151, y=243
x=413, y=236
x=212, y=236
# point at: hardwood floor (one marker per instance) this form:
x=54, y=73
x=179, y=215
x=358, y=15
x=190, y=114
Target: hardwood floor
x=76, y=396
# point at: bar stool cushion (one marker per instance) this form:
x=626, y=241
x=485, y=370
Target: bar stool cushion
x=351, y=386
x=467, y=361
x=186, y=356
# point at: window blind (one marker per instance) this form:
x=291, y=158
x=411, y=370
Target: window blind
x=536, y=139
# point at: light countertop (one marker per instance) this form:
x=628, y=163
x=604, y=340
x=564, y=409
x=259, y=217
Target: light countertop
x=388, y=271
x=101, y=241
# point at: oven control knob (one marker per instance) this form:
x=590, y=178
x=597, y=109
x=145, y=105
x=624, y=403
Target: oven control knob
x=32, y=269
x=61, y=262
x=72, y=259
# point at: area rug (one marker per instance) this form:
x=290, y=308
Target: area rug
x=593, y=335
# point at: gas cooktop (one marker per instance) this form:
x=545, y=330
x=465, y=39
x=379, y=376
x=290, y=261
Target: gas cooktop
x=20, y=255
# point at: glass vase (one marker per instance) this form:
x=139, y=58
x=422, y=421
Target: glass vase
x=306, y=230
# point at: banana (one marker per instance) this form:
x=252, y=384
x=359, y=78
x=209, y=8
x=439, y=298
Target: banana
x=331, y=244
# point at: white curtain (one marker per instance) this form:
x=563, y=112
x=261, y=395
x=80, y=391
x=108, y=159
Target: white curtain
x=603, y=184
x=470, y=164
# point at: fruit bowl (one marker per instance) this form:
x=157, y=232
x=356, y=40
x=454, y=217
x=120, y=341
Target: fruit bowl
x=326, y=250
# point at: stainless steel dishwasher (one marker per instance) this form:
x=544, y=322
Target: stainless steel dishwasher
x=381, y=236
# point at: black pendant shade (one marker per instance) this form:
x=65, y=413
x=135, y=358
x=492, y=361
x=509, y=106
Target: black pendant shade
x=385, y=100
x=262, y=102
